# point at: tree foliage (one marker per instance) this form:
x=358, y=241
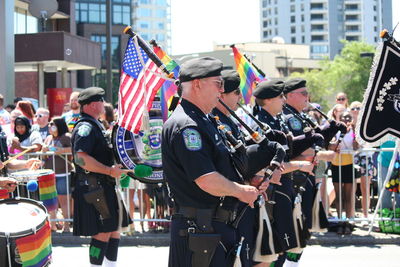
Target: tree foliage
x=348, y=72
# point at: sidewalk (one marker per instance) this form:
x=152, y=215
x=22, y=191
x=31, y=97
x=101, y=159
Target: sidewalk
x=359, y=237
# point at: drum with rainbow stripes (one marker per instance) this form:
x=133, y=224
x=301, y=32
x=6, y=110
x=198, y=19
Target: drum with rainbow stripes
x=47, y=186
x=25, y=233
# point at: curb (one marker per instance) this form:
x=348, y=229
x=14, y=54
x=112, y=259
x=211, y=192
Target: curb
x=359, y=237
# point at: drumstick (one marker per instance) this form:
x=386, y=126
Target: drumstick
x=18, y=155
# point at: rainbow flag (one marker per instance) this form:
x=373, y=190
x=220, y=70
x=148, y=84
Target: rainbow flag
x=35, y=250
x=4, y=193
x=48, y=192
x=248, y=75
x=168, y=89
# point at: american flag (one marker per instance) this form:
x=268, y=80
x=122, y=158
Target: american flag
x=138, y=86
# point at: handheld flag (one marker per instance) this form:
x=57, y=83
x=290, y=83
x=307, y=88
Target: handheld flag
x=380, y=113
x=140, y=80
x=169, y=88
x=248, y=75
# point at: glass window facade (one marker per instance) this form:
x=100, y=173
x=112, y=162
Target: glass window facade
x=115, y=49
x=23, y=23
x=92, y=11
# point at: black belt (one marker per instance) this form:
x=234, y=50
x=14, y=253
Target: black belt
x=220, y=214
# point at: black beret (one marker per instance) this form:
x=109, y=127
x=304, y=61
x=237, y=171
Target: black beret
x=293, y=84
x=231, y=80
x=199, y=68
x=91, y=94
x=269, y=89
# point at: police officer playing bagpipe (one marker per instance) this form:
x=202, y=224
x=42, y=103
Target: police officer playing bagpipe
x=269, y=104
x=297, y=98
x=199, y=170
x=258, y=159
x=98, y=209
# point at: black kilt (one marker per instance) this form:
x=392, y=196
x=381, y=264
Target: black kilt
x=283, y=214
x=87, y=219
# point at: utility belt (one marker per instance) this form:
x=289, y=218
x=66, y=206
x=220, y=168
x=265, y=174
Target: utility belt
x=202, y=240
x=95, y=195
x=198, y=215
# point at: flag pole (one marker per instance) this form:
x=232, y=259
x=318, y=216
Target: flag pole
x=148, y=50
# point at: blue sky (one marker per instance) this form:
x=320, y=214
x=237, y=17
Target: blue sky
x=196, y=25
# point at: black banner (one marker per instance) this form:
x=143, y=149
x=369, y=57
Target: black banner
x=380, y=114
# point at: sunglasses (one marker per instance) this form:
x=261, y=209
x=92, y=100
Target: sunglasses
x=304, y=93
x=341, y=99
x=355, y=108
x=219, y=83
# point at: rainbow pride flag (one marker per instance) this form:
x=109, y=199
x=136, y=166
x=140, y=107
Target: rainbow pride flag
x=35, y=250
x=168, y=88
x=4, y=193
x=248, y=75
x=48, y=192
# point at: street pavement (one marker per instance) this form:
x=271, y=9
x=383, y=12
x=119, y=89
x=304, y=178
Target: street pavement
x=329, y=256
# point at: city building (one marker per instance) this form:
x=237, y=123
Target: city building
x=152, y=20
x=276, y=60
x=322, y=24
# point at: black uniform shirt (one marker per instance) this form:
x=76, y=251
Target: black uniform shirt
x=267, y=118
x=90, y=138
x=193, y=147
x=294, y=120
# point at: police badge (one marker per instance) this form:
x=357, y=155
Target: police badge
x=143, y=148
x=380, y=113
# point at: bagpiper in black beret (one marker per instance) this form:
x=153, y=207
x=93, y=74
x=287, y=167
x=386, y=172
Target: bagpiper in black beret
x=231, y=80
x=91, y=94
x=200, y=68
x=293, y=84
x=269, y=89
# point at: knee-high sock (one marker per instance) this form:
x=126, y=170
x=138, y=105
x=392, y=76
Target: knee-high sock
x=97, y=250
x=108, y=263
x=112, y=249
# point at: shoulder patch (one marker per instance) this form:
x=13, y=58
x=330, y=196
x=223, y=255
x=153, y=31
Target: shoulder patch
x=84, y=129
x=192, y=139
x=294, y=123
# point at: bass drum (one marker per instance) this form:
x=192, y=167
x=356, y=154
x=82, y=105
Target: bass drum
x=144, y=148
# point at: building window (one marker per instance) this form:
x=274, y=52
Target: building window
x=265, y=23
x=276, y=11
x=293, y=29
x=265, y=34
x=292, y=8
x=276, y=31
x=144, y=24
x=115, y=49
x=316, y=6
x=293, y=40
x=302, y=18
x=161, y=26
x=317, y=38
x=351, y=7
x=303, y=39
x=302, y=28
x=317, y=16
x=352, y=38
x=317, y=27
x=351, y=17
x=23, y=23
x=292, y=19
x=302, y=7
x=264, y=4
x=161, y=2
x=352, y=28
x=121, y=15
x=319, y=49
x=276, y=21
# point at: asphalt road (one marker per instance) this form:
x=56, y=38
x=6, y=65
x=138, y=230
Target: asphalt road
x=352, y=256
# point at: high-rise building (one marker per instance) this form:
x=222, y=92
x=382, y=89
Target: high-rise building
x=152, y=20
x=322, y=24
x=90, y=18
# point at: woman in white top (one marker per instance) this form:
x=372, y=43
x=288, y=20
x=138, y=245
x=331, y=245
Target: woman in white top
x=24, y=138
